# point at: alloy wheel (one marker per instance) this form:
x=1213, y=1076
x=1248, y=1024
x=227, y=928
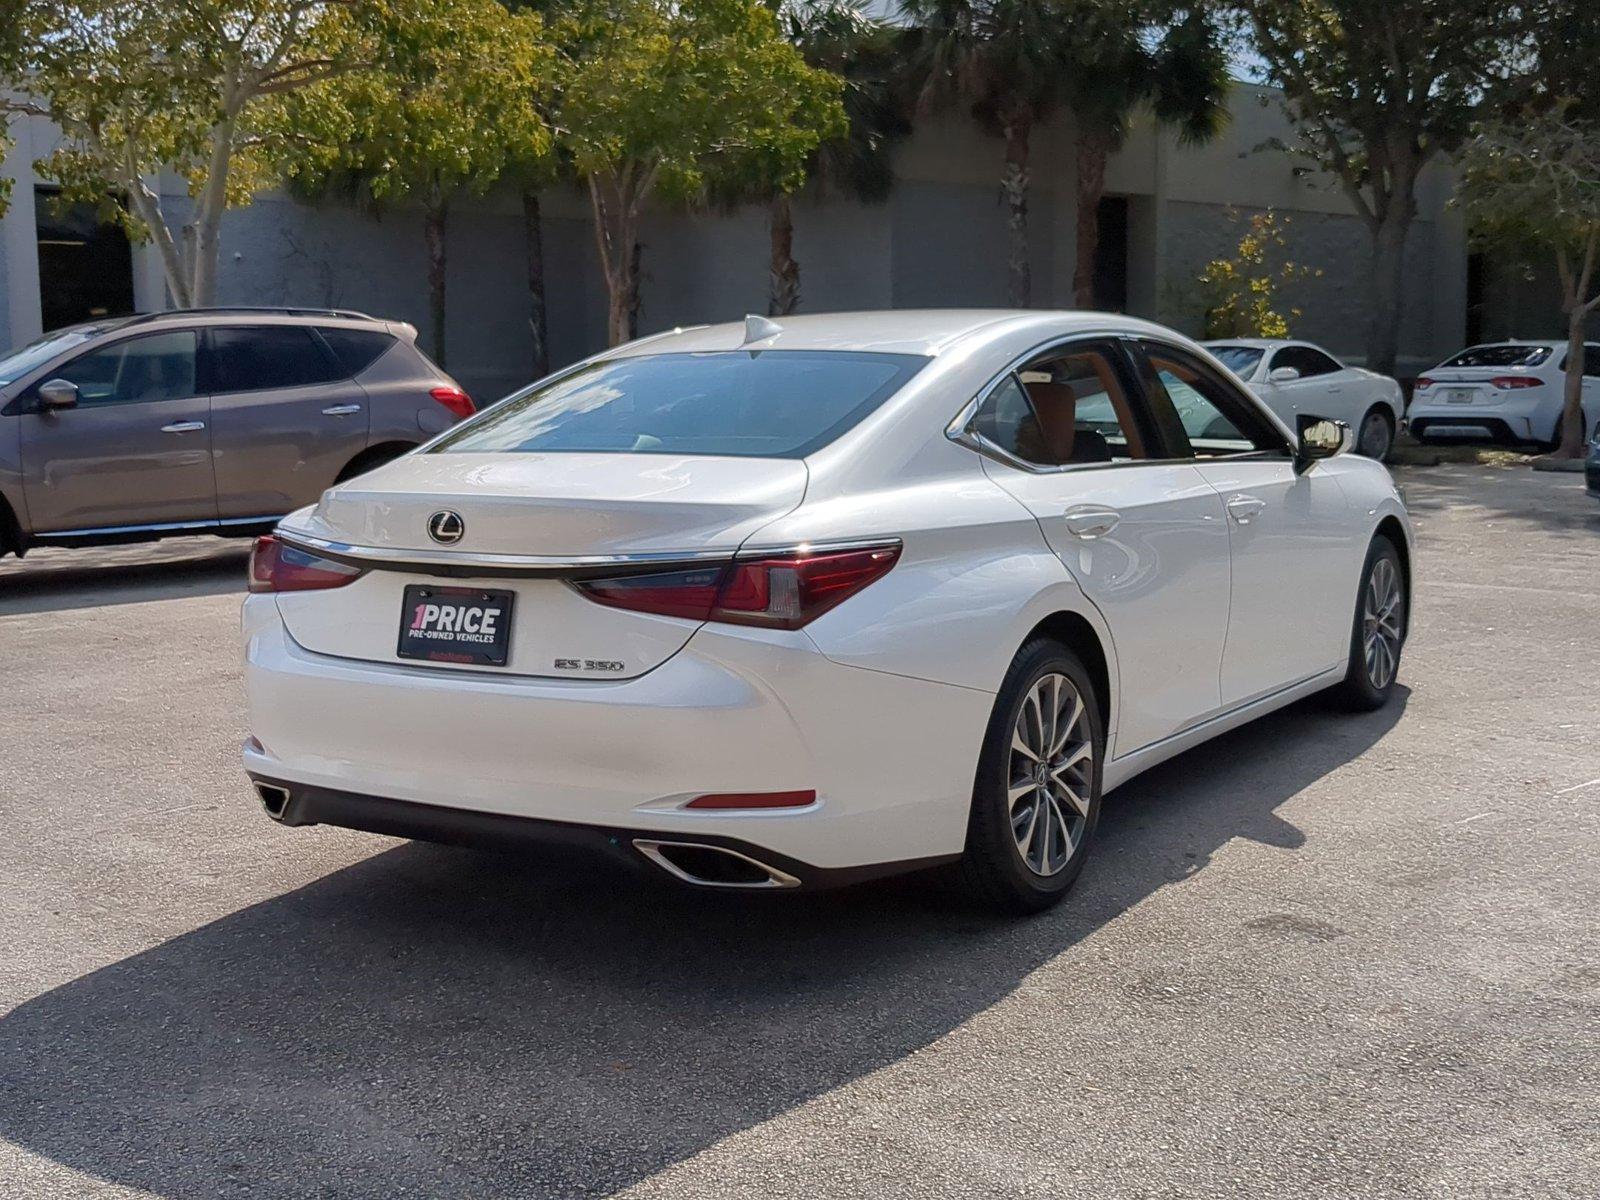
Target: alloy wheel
x=1051, y=774
x=1380, y=623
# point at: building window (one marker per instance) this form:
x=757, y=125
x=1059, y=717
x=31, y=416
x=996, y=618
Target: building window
x=85, y=265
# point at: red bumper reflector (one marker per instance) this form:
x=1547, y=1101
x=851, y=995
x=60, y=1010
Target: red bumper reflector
x=754, y=800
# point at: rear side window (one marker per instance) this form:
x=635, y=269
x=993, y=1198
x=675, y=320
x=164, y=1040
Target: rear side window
x=356, y=349
x=1067, y=407
x=741, y=403
x=268, y=356
x=1500, y=356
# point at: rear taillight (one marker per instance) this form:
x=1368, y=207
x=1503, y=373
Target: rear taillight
x=276, y=566
x=779, y=591
x=1512, y=382
x=1422, y=384
x=457, y=401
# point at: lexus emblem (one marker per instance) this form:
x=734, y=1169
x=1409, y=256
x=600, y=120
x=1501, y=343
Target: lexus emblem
x=446, y=527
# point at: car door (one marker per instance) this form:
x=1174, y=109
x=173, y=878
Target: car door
x=1294, y=551
x=1324, y=387
x=286, y=419
x=134, y=450
x=1146, y=540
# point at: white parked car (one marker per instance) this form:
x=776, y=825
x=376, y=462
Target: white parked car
x=1297, y=377
x=1512, y=391
x=766, y=605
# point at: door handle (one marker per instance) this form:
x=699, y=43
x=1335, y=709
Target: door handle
x=1089, y=521
x=341, y=410
x=184, y=427
x=1242, y=508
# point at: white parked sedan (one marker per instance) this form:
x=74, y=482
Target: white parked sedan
x=766, y=605
x=1296, y=377
x=1513, y=391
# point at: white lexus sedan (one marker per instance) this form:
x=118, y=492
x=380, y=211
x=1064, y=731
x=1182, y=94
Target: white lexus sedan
x=1297, y=377
x=769, y=605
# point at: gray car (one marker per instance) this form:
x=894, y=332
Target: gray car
x=204, y=421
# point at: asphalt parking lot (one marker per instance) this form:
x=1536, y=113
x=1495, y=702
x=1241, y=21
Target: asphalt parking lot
x=1324, y=956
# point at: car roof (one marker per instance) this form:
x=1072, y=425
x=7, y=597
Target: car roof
x=926, y=331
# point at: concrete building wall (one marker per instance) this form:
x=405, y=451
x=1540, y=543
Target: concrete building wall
x=939, y=240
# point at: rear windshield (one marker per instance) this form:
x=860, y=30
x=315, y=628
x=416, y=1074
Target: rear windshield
x=743, y=403
x=1241, y=360
x=1500, y=356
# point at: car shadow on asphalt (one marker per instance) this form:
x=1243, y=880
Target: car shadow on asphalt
x=440, y=1022
x=54, y=580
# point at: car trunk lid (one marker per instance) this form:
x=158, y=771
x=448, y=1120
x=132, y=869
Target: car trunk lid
x=530, y=521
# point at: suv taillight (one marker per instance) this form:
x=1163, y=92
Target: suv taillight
x=779, y=591
x=276, y=566
x=457, y=401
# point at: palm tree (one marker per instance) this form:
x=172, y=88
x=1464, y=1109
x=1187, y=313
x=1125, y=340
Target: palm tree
x=1123, y=59
x=1007, y=60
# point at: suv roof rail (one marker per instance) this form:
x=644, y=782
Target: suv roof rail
x=218, y=310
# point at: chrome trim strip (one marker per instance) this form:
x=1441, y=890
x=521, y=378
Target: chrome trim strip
x=167, y=527
x=488, y=565
x=462, y=565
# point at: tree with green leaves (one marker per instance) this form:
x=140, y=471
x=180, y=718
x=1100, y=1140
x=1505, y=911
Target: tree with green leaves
x=1534, y=182
x=661, y=94
x=839, y=37
x=136, y=86
x=454, y=99
x=1124, y=58
x=1378, y=90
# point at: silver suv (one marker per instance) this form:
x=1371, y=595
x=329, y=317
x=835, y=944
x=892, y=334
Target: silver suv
x=205, y=420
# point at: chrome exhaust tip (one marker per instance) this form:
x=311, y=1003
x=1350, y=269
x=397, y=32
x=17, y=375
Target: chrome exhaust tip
x=274, y=799
x=713, y=866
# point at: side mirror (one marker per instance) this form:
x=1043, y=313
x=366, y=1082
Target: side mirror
x=57, y=394
x=1319, y=438
x=1283, y=374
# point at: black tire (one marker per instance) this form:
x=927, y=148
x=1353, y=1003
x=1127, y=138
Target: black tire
x=993, y=868
x=371, y=459
x=1359, y=691
x=1385, y=416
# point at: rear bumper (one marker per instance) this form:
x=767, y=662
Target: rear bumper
x=891, y=759
x=305, y=805
x=1513, y=420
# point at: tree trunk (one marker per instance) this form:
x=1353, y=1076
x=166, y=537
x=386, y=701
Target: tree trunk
x=1094, y=148
x=212, y=201
x=1014, y=187
x=1577, y=305
x=433, y=233
x=785, y=271
x=533, y=235
x=1387, y=283
x=615, y=206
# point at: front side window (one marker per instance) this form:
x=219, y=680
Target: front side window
x=268, y=356
x=1200, y=414
x=136, y=370
x=1308, y=360
x=740, y=403
x=1065, y=408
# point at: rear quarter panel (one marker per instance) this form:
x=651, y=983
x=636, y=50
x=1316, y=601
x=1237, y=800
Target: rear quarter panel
x=11, y=473
x=397, y=385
